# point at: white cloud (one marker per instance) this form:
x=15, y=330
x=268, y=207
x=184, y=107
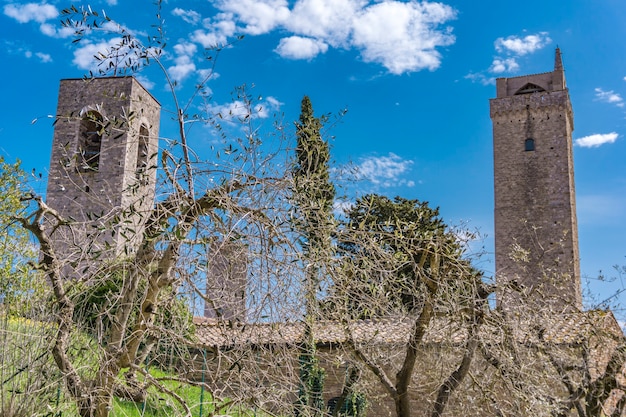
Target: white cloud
x=481, y=78
x=185, y=48
x=401, y=36
x=84, y=55
x=40, y=13
x=112, y=2
x=386, y=171
x=266, y=107
x=190, y=16
x=184, y=64
x=217, y=36
x=256, y=16
x=500, y=65
x=609, y=97
x=54, y=31
x=24, y=13
x=512, y=47
x=239, y=110
x=206, y=74
x=145, y=81
x=43, y=57
x=593, y=141
x=328, y=20
x=113, y=52
x=522, y=46
x=297, y=47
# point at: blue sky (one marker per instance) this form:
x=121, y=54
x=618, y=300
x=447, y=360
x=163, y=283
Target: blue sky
x=415, y=78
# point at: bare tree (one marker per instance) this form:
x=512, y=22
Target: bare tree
x=130, y=304
x=400, y=261
x=417, y=320
x=409, y=316
x=23, y=345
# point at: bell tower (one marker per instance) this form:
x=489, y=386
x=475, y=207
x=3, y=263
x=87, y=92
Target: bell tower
x=536, y=234
x=103, y=165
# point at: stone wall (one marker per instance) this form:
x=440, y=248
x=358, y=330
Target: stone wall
x=536, y=232
x=107, y=202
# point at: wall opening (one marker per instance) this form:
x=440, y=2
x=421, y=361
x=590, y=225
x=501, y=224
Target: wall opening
x=90, y=136
x=529, y=144
x=142, y=155
x=529, y=88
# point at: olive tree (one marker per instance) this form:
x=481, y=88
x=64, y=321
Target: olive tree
x=124, y=310
x=400, y=261
x=419, y=325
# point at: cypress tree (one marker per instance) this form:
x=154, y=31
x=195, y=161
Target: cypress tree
x=313, y=197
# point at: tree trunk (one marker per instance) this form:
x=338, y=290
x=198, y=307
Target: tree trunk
x=403, y=405
x=403, y=377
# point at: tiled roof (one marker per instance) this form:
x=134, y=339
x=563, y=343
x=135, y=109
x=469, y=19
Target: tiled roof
x=570, y=328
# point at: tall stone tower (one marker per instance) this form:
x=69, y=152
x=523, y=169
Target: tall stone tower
x=536, y=234
x=103, y=166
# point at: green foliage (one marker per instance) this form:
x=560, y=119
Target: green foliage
x=313, y=196
x=391, y=249
x=355, y=405
x=310, y=402
x=314, y=193
x=96, y=304
x=352, y=402
x=31, y=384
x=19, y=286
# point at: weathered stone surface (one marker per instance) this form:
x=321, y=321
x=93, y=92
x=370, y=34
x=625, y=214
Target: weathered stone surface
x=536, y=233
x=109, y=199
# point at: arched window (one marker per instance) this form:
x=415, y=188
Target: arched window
x=529, y=144
x=142, y=154
x=90, y=141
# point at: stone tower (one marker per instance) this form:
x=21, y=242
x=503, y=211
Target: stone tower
x=103, y=166
x=226, y=281
x=536, y=235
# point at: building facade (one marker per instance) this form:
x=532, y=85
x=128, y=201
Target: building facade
x=536, y=235
x=103, y=167
x=102, y=178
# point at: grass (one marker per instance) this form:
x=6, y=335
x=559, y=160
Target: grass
x=32, y=386
x=163, y=405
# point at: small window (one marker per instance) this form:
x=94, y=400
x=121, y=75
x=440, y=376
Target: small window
x=142, y=154
x=90, y=141
x=529, y=144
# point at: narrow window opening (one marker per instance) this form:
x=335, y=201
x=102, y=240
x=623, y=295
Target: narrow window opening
x=86, y=188
x=90, y=141
x=142, y=155
x=529, y=144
